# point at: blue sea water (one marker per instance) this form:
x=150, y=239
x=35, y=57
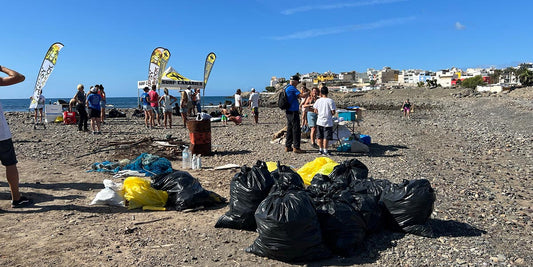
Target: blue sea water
x=117, y=102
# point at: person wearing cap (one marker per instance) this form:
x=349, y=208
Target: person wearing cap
x=254, y=104
x=292, y=143
x=80, y=100
x=93, y=103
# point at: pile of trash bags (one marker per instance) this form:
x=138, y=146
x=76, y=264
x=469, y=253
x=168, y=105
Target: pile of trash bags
x=332, y=216
x=174, y=190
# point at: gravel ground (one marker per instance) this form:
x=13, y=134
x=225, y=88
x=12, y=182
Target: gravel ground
x=474, y=149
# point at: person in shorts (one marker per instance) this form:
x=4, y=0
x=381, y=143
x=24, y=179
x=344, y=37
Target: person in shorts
x=325, y=108
x=147, y=108
x=311, y=115
x=93, y=103
x=166, y=102
x=8, y=157
x=254, y=105
x=154, y=102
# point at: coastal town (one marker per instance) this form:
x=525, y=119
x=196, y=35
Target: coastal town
x=492, y=78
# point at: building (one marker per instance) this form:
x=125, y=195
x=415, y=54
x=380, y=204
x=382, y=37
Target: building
x=387, y=75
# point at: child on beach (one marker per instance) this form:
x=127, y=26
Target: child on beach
x=325, y=108
x=223, y=117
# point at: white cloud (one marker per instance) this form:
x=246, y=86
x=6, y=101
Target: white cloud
x=459, y=26
x=342, y=29
x=337, y=6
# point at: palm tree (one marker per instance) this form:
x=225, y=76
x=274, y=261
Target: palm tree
x=525, y=76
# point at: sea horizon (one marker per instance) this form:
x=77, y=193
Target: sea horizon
x=22, y=104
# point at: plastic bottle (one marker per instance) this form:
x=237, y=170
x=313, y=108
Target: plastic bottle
x=199, y=162
x=193, y=162
x=185, y=158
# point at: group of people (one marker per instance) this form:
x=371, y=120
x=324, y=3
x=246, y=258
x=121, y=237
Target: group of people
x=317, y=112
x=90, y=105
x=234, y=113
x=154, y=106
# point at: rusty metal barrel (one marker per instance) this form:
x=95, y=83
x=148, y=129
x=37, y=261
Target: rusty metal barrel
x=200, y=135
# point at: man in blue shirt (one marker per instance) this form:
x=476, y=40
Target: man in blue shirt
x=292, y=142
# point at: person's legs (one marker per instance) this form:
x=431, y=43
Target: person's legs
x=297, y=130
x=41, y=115
x=290, y=132
x=35, y=120
x=169, y=119
x=313, y=135
x=256, y=115
x=152, y=120
x=12, y=175
x=102, y=114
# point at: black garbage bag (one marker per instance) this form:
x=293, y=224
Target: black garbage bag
x=349, y=171
x=288, y=228
x=185, y=191
x=343, y=227
x=247, y=189
x=285, y=178
x=408, y=206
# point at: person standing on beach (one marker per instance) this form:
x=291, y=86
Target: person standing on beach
x=238, y=101
x=93, y=103
x=254, y=105
x=325, y=108
x=102, y=103
x=190, y=102
x=80, y=99
x=304, y=89
x=198, y=101
x=154, y=103
x=292, y=143
x=184, y=107
x=311, y=115
x=8, y=157
x=166, y=102
x=147, y=108
x=39, y=107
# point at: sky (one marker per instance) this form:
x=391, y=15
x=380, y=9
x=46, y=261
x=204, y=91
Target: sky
x=110, y=42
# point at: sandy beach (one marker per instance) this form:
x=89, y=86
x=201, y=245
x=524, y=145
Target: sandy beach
x=475, y=149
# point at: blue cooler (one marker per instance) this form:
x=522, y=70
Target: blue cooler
x=365, y=139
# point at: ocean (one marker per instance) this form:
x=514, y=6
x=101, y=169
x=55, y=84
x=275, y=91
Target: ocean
x=117, y=102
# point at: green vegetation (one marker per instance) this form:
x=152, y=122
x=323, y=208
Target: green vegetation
x=495, y=76
x=473, y=82
x=431, y=83
x=373, y=83
x=270, y=89
x=420, y=84
x=525, y=75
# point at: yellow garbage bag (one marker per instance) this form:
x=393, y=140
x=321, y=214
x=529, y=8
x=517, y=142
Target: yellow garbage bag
x=322, y=165
x=139, y=193
x=271, y=166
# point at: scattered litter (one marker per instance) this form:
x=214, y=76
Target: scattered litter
x=139, y=193
x=227, y=166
